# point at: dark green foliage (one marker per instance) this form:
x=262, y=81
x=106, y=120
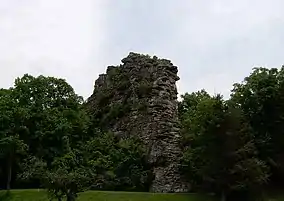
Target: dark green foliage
x=54, y=111
x=261, y=97
x=220, y=155
x=104, y=162
x=12, y=147
x=144, y=89
x=64, y=178
x=118, y=78
x=114, y=112
x=103, y=97
x=142, y=106
x=36, y=115
x=108, y=108
x=119, y=163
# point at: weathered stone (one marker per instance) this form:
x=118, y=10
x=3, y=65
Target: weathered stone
x=147, y=86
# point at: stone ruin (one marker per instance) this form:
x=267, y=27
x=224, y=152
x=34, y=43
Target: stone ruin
x=139, y=98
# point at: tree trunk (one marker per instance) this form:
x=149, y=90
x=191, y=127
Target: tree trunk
x=9, y=172
x=70, y=196
x=223, y=196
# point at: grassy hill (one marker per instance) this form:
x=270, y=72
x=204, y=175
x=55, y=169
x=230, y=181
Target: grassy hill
x=40, y=195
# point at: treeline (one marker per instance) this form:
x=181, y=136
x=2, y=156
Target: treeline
x=232, y=148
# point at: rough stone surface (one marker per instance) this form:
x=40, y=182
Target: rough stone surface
x=139, y=98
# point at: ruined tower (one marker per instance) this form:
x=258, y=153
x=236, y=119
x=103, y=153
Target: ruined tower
x=139, y=98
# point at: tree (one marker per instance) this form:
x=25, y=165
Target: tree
x=40, y=112
x=55, y=111
x=120, y=164
x=11, y=118
x=103, y=162
x=187, y=109
x=261, y=97
x=219, y=154
x=64, y=178
x=11, y=146
x=67, y=177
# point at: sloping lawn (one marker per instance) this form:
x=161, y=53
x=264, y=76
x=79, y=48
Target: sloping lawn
x=40, y=195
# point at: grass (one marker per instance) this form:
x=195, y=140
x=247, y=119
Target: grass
x=275, y=197
x=40, y=195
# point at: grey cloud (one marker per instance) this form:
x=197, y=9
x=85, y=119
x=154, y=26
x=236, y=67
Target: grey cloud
x=213, y=42
x=60, y=38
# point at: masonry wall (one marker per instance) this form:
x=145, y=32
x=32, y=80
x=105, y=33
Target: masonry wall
x=139, y=98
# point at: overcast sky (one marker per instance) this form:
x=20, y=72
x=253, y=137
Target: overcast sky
x=215, y=43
